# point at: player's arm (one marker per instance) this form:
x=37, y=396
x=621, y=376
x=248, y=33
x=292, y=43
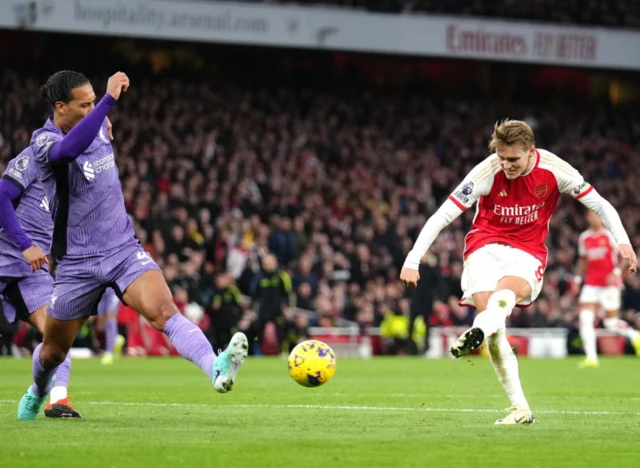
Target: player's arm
x=477, y=183
x=596, y=203
x=82, y=135
x=622, y=274
x=572, y=183
x=581, y=267
x=11, y=189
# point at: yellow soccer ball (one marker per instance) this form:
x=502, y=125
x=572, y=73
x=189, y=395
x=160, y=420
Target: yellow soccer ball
x=312, y=363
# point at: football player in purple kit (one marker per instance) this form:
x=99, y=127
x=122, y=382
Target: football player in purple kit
x=25, y=241
x=94, y=243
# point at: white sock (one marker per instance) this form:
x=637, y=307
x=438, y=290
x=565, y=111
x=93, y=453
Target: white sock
x=499, y=307
x=620, y=327
x=588, y=334
x=506, y=366
x=57, y=394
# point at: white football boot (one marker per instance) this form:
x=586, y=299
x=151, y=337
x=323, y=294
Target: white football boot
x=517, y=416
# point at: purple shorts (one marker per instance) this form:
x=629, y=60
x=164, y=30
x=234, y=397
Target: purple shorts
x=21, y=297
x=81, y=282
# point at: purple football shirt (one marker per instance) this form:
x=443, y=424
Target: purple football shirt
x=85, y=196
x=32, y=210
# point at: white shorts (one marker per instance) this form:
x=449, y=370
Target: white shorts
x=485, y=267
x=607, y=296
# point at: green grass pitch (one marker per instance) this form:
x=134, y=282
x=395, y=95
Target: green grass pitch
x=385, y=412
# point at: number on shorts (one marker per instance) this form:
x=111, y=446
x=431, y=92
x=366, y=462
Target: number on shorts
x=144, y=257
x=540, y=273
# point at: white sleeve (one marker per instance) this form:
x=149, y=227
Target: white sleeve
x=614, y=247
x=608, y=213
x=477, y=183
x=570, y=181
x=436, y=223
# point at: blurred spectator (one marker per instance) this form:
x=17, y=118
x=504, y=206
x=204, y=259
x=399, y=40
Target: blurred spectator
x=631, y=293
x=226, y=310
x=430, y=287
x=394, y=329
x=296, y=331
x=273, y=293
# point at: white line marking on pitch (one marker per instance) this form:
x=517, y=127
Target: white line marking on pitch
x=346, y=407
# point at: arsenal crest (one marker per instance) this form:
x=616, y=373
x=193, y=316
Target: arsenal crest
x=541, y=190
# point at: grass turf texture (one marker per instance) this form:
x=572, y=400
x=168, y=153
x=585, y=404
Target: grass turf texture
x=396, y=412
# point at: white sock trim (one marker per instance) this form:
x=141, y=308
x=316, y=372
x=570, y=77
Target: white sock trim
x=57, y=394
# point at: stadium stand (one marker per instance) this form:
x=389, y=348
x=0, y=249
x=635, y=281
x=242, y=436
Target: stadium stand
x=336, y=174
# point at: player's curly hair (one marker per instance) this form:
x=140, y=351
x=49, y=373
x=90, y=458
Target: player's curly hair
x=59, y=85
x=510, y=133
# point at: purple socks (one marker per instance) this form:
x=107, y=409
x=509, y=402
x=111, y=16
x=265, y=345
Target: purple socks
x=42, y=377
x=190, y=342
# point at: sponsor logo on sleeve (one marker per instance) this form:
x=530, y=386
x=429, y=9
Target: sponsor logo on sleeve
x=14, y=173
x=464, y=192
x=22, y=163
x=580, y=189
x=467, y=189
x=42, y=140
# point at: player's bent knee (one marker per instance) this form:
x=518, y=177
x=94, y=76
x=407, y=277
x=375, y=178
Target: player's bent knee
x=164, y=312
x=51, y=355
x=503, y=299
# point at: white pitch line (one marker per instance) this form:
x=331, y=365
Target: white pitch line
x=348, y=407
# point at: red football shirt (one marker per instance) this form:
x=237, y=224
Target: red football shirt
x=516, y=212
x=601, y=253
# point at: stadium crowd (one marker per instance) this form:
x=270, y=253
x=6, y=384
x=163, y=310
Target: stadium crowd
x=332, y=180
x=617, y=13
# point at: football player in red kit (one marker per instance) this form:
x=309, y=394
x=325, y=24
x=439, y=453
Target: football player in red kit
x=517, y=190
x=601, y=280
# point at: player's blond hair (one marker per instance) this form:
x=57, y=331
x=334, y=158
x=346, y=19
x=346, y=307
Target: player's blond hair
x=510, y=133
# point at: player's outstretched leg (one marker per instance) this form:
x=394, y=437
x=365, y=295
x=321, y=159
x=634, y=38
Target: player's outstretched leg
x=150, y=296
x=194, y=346
x=486, y=323
x=588, y=337
x=506, y=366
x=228, y=363
x=622, y=328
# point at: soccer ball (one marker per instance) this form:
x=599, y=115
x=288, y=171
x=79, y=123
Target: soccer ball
x=312, y=363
